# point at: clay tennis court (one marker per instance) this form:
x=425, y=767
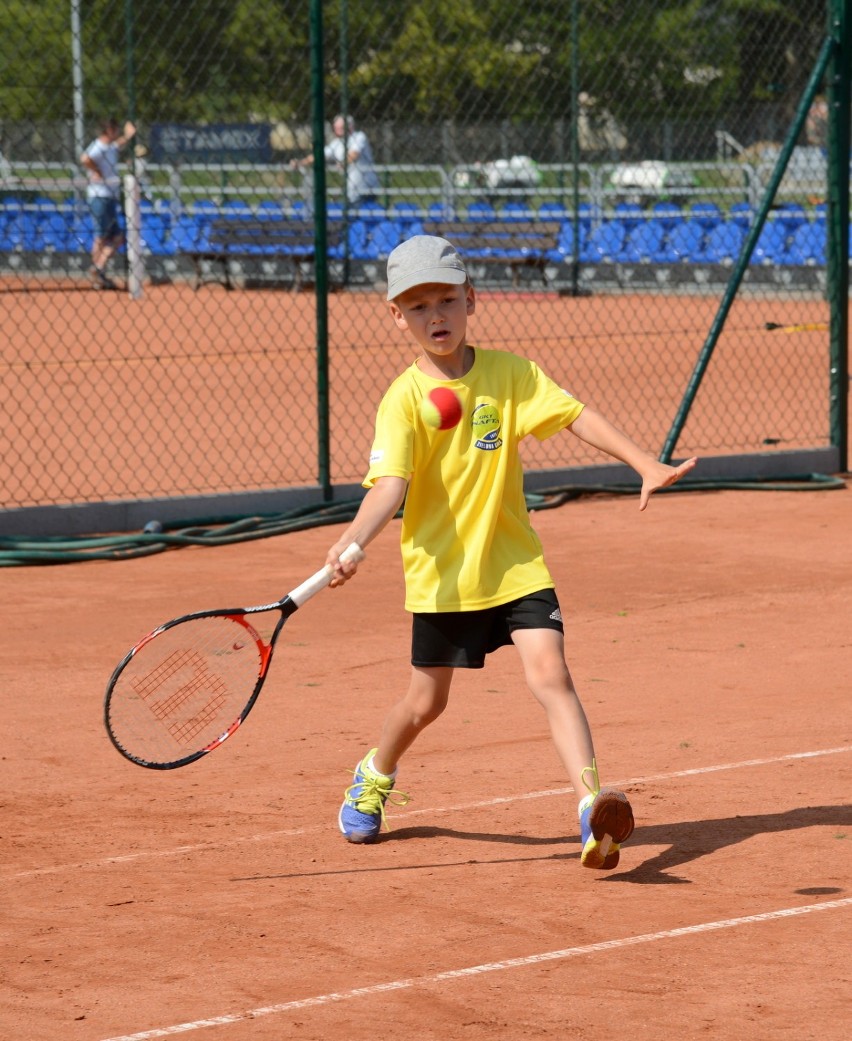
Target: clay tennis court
x=710, y=640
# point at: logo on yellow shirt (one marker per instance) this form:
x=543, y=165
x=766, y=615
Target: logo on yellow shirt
x=486, y=428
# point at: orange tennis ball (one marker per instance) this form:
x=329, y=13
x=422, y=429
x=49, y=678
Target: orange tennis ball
x=441, y=408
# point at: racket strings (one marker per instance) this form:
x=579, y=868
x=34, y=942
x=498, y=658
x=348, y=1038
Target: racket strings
x=186, y=687
x=195, y=682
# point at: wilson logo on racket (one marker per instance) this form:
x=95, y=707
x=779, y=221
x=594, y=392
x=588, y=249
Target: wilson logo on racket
x=186, y=687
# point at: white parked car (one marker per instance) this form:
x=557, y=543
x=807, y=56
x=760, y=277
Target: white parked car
x=651, y=180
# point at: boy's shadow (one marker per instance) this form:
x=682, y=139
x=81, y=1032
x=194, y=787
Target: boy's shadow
x=686, y=841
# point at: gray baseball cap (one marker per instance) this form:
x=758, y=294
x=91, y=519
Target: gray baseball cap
x=422, y=259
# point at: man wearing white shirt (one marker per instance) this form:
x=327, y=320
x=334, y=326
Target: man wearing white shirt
x=100, y=161
x=350, y=148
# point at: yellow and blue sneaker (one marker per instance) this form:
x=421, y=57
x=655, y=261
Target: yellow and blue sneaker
x=363, y=811
x=606, y=820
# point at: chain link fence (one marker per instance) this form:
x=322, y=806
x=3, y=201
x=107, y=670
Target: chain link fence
x=604, y=167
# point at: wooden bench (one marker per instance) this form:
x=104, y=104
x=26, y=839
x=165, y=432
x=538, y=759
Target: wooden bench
x=514, y=244
x=251, y=238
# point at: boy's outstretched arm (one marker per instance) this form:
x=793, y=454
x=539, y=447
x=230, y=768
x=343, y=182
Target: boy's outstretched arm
x=595, y=430
x=379, y=505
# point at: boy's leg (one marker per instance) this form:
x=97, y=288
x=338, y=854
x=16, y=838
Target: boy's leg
x=362, y=813
x=542, y=656
x=606, y=818
x=425, y=700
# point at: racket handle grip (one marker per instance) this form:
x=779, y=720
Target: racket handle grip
x=311, y=586
x=352, y=552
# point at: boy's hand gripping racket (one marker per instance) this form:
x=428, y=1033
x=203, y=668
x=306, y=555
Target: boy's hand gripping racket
x=187, y=686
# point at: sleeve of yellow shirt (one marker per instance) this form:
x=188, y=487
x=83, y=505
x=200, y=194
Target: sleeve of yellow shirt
x=543, y=407
x=392, y=453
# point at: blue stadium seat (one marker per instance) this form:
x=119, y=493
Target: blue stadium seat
x=771, y=244
x=644, y=242
x=604, y=242
x=54, y=234
x=741, y=213
x=724, y=243
x=439, y=212
x=82, y=233
x=11, y=206
x=685, y=242
x=27, y=225
x=204, y=208
x=42, y=207
x=589, y=214
x=808, y=245
x=403, y=209
x=565, y=244
x=385, y=236
x=629, y=213
x=237, y=209
x=10, y=232
x=791, y=216
x=708, y=214
x=360, y=245
x=481, y=211
x=269, y=209
x=667, y=213
x=204, y=212
x=516, y=211
x=371, y=212
x=409, y=229
x=552, y=211
x=154, y=233
x=406, y=215
x=185, y=233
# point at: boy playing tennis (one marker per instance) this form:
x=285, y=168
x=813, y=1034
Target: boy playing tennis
x=475, y=576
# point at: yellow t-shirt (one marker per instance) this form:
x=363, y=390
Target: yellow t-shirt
x=467, y=542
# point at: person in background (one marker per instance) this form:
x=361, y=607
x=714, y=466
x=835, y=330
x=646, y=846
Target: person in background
x=350, y=148
x=100, y=161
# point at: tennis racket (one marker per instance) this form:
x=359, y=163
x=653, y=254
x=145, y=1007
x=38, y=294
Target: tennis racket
x=185, y=688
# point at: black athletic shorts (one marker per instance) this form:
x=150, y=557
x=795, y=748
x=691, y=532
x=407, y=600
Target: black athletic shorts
x=461, y=639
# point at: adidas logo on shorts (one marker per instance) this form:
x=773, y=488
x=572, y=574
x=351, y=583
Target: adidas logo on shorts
x=556, y=615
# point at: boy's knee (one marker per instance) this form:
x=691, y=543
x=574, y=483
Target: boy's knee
x=425, y=710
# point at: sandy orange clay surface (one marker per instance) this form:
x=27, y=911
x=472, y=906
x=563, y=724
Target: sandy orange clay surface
x=711, y=641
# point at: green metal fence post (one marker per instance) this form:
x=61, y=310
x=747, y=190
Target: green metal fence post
x=751, y=238
x=575, y=145
x=344, y=110
x=837, y=249
x=320, y=248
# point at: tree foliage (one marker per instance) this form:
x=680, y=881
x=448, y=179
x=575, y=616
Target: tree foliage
x=427, y=61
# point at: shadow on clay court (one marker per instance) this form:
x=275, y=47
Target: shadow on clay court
x=685, y=842
x=690, y=840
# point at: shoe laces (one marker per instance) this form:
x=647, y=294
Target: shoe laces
x=373, y=794
x=595, y=787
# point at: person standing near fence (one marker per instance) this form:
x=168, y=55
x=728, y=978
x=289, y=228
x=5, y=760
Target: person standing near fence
x=100, y=161
x=351, y=149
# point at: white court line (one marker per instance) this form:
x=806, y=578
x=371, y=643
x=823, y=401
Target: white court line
x=431, y=810
x=478, y=970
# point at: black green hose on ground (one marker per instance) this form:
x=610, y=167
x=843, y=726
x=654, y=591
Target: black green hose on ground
x=22, y=550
